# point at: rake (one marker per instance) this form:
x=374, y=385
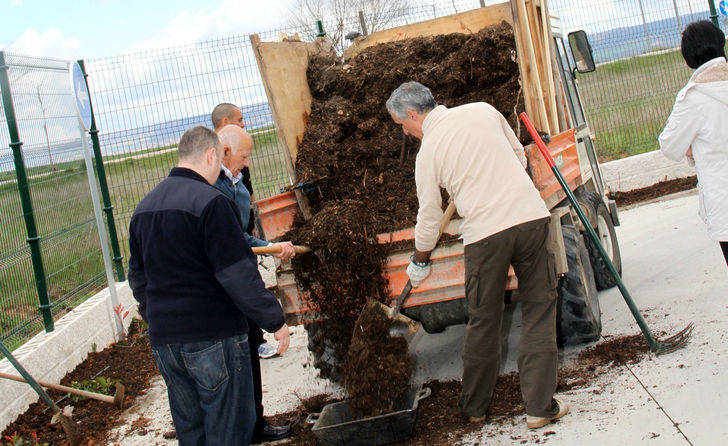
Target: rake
x=71, y=429
x=658, y=346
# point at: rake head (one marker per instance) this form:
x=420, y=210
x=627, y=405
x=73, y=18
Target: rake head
x=674, y=342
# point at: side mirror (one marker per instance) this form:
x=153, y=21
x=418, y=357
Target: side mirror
x=582, y=51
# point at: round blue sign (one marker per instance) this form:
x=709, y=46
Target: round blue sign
x=723, y=7
x=80, y=92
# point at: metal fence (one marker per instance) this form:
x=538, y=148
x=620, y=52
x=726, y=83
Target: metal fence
x=640, y=69
x=145, y=100
x=50, y=256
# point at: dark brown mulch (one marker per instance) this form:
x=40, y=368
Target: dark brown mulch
x=351, y=149
x=656, y=190
x=377, y=366
x=438, y=419
x=130, y=362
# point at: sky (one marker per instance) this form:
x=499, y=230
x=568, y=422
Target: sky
x=91, y=29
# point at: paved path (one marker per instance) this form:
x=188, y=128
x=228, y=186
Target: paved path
x=676, y=275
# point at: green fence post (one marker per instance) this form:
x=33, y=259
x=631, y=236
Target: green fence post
x=713, y=13
x=320, y=26
x=25, y=198
x=108, y=208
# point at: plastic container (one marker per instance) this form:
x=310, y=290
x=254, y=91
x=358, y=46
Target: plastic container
x=334, y=425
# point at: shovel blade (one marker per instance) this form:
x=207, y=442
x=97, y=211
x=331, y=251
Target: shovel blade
x=402, y=326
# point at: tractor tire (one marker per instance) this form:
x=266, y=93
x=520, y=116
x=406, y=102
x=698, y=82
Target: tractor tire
x=604, y=227
x=323, y=351
x=578, y=316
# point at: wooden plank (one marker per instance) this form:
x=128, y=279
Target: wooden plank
x=550, y=73
x=532, y=68
x=543, y=54
x=469, y=22
x=528, y=99
x=283, y=68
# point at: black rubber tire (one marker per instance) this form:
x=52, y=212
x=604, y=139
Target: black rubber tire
x=324, y=354
x=604, y=226
x=578, y=316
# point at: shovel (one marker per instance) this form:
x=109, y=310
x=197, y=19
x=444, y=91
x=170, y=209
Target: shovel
x=69, y=426
x=658, y=346
x=402, y=325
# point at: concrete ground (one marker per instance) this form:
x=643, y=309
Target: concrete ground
x=675, y=273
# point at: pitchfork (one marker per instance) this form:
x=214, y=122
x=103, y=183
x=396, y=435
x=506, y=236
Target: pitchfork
x=656, y=345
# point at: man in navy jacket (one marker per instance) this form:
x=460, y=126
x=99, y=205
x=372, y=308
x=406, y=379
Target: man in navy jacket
x=196, y=281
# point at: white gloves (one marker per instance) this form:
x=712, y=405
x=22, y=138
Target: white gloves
x=417, y=273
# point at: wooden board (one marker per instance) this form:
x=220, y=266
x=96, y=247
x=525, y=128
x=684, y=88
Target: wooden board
x=469, y=22
x=283, y=68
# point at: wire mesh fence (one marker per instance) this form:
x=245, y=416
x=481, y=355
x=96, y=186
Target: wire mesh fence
x=640, y=68
x=145, y=100
x=58, y=205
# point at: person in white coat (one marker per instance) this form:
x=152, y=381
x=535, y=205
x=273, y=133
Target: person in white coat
x=697, y=128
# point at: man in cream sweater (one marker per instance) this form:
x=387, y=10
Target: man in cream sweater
x=473, y=153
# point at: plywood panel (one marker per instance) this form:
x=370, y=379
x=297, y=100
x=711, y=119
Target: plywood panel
x=469, y=22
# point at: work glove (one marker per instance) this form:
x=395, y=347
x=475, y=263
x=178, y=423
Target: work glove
x=417, y=272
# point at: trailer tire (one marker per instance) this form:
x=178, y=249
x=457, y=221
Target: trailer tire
x=604, y=227
x=322, y=350
x=578, y=316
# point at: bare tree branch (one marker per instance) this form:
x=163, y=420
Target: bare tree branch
x=341, y=16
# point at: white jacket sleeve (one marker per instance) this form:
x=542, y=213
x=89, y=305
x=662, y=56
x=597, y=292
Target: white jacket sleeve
x=430, y=212
x=681, y=128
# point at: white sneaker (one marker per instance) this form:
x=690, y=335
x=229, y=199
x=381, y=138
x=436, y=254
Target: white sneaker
x=265, y=350
x=535, y=422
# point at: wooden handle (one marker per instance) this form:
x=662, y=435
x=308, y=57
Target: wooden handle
x=275, y=249
x=96, y=396
x=449, y=211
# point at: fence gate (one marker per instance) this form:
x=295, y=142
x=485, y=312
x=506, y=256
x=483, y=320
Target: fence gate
x=51, y=256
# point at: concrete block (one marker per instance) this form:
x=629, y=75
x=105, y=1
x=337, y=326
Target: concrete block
x=642, y=170
x=50, y=356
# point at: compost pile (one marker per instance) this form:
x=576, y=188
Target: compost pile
x=351, y=151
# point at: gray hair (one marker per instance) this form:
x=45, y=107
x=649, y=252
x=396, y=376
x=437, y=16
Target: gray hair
x=195, y=142
x=410, y=96
x=222, y=111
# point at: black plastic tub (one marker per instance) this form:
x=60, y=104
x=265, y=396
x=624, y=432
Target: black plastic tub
x=334, y=425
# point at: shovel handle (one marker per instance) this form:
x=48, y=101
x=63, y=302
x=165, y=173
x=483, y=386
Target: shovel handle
x=275, y=249
x=84, y=393
x=446, y=216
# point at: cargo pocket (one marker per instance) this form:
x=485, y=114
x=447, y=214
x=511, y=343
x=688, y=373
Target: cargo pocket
x=552, y=280
x=207, y=366
x=472, y=294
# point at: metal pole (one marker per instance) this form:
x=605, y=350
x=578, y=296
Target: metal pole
x=25, y=198
x=677, y=16
x=644, y=24
x=100, y=224
x=713, y=13
x=105, y=196
x=363, y=23
x=320, y=26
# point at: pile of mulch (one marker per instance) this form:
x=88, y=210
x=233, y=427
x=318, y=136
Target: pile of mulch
x=438, y=418
x=656, y=190
x=377, y=366
x=129, y=361
x=351, y=150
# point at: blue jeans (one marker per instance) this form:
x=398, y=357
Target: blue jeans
x=210, y=388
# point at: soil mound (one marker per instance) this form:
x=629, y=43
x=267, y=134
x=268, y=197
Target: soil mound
x=351, y=150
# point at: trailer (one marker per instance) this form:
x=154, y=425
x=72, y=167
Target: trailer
x=551, y=98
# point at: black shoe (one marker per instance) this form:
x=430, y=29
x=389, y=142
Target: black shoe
x=272, y=433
